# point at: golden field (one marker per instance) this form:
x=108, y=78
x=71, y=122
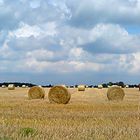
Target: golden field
x=88, y=116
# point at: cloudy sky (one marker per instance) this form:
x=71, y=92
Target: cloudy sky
x=70, y=41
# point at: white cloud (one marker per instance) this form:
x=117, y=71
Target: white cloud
x=110, y=38
x=69, y=36
x=5, y=51
x=76, y=53
x=35, y=3
x=35, y=66
x=25, y=30
x=40, y=54
x=87, y=14
x=135, y=69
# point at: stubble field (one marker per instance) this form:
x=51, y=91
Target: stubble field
x=88, y=116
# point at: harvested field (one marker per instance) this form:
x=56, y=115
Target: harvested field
x=89, y=115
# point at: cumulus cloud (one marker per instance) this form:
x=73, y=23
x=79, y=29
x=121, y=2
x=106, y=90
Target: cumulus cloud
x=25, y=30
x=87, y=14
x=109, y=38
x=32, y=65
x=40, y=54
x=135, y=64
x=69, y=36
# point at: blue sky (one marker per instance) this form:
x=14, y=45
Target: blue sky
x=69, y=41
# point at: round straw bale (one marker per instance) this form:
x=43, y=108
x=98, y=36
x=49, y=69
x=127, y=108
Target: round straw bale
x=11, y=87
x=114, y=86
x=64, y=86
x=100, y=86
x=23, y=86
x=108, y=86
x=36, y=93
x=81, y=88
x=3, y=86
x=59, y=94
x=115, y=93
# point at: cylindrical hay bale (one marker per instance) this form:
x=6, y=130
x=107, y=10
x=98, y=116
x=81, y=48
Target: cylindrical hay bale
x=115, y=93
x=108, y=86
x=115, y=86
x=59, y=95
x=81, y=88
x=11, y=87
x=3, y=86
x=64, y=86
x=23, y=86
x=36, y=93
x=100, y=86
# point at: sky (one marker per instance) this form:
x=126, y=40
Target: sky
x=70, y=41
